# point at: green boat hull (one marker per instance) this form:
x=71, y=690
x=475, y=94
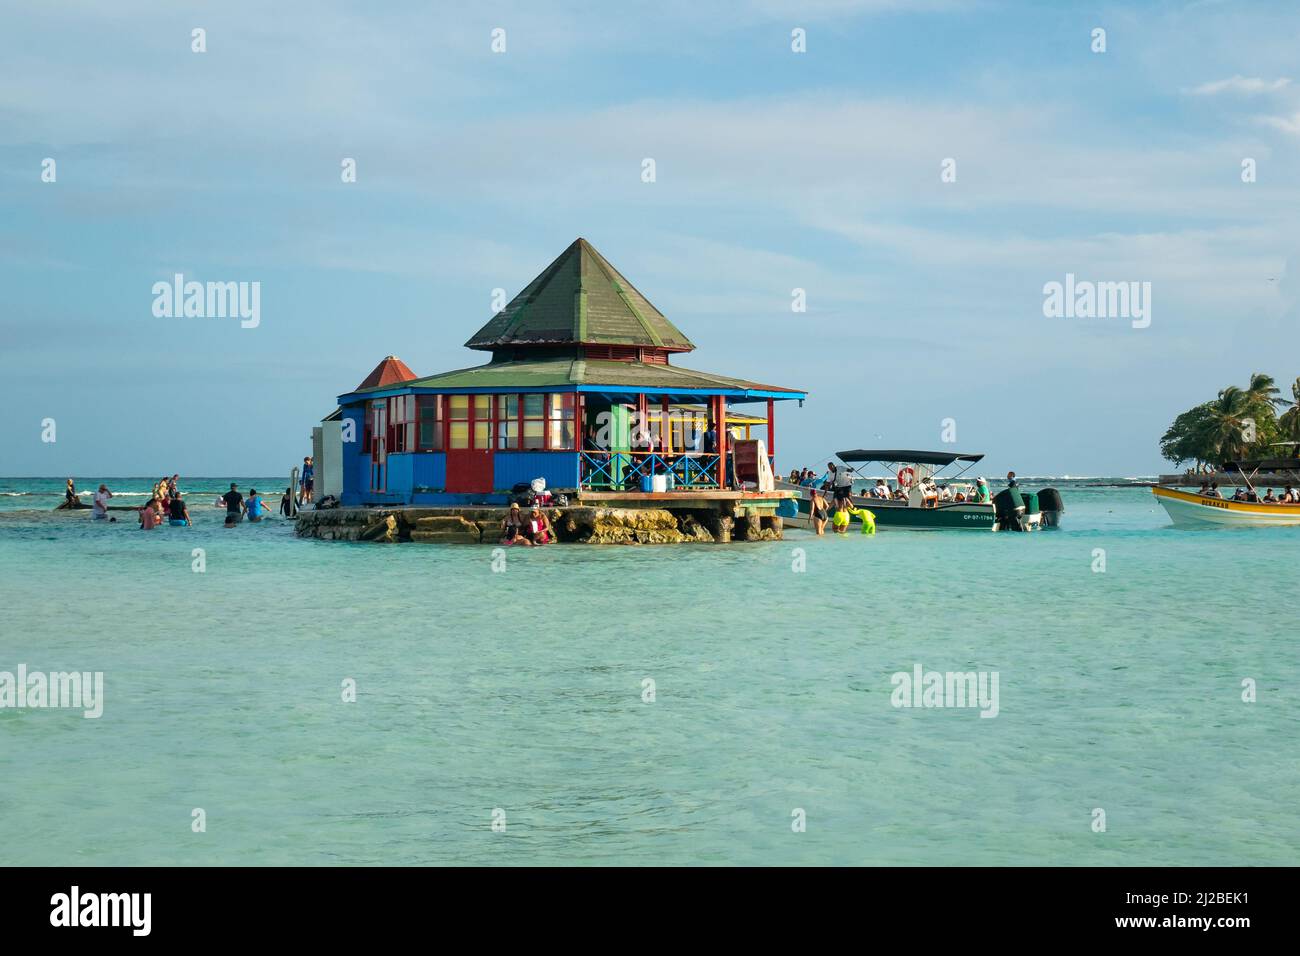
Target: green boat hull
x=943, y=517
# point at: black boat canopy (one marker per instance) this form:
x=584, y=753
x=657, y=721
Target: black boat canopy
x=941, y=458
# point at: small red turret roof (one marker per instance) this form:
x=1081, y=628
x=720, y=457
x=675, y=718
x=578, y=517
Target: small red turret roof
x=388, y=372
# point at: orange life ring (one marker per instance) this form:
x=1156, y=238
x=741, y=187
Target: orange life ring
x=906, y=482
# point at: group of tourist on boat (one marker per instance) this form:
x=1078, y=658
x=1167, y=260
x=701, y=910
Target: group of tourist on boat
x=839, y=481
x=1290, y=496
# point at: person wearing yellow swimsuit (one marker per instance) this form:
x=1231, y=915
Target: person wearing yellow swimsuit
x=840, y=519
x=868, y=519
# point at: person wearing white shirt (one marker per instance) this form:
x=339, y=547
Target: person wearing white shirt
x=929, y=493
x=842, y=480
x=100, y=507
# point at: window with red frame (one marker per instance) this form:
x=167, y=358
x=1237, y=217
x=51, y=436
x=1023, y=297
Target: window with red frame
x=401, y=423
x=559, y=422
x=536, y=422
x=429, y=411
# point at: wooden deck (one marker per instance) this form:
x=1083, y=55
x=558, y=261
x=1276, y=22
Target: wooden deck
x=701, y=494
x=734, y=503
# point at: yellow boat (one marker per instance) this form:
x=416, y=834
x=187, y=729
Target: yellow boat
x=1187, y=508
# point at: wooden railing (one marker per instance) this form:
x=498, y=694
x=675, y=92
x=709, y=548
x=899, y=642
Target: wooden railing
x=623, y=470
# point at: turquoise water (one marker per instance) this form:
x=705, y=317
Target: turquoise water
x=522, y=691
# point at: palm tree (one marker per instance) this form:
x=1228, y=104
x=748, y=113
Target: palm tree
x=1227, y=433
x=1289, y=423
x=1262, y=391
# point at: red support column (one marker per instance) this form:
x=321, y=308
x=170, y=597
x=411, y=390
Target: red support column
x=723, y=441
x=643, y=415
x=712, y=424
x=771, y=433
x=579, y=432
x=579, y=420
x=665, y=429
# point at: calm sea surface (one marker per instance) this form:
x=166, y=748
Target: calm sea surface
x=523, y=691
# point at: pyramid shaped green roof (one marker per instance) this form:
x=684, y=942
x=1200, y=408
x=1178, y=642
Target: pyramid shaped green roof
x=580, y=299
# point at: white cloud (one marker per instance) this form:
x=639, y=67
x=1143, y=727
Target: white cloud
x=1286, y=124
x=1246, y=85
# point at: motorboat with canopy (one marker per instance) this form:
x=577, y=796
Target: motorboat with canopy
x=921, y=497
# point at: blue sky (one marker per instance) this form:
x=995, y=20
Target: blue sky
x=775, y=171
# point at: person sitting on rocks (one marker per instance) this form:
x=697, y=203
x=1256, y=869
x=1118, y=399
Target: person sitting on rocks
x=538, y=529
x=512, y=528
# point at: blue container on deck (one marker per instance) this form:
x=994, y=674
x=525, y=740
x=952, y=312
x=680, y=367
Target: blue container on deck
x=647, y=483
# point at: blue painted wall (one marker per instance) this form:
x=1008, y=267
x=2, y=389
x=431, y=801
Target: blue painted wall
x=428, y=470
x=356, y=466
x=400, y=472
x=559, y=468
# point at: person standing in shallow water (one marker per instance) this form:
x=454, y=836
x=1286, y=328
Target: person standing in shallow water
x=178, y=511
x=151, y=515
x=100, y=507
x=234, y=504
x=256, y=508
x=817, y=510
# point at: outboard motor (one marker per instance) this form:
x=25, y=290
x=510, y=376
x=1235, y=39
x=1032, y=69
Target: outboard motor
x=1032, y=517
x=1008, y=510
x=1049, y=499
